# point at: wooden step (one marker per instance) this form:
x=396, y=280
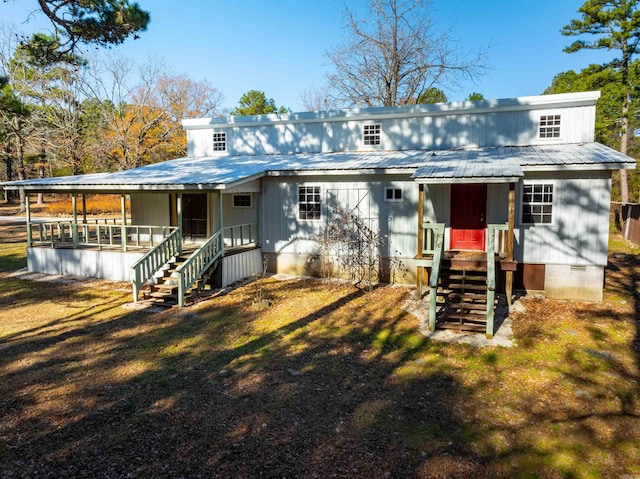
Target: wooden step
x=468, y=317
x=467, y=277
x=463, y=327
x=165, y=286
x=475, y=306
x=473, y=287
x=453, y=295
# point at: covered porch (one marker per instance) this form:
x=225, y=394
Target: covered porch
x=120, y=250
x=462, y=257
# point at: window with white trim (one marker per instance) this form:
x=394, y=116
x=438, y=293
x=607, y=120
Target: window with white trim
x=244, y=200
x=537, y=204
x=392, y=194
x=371, y=134
x=220, y=141
x=309, y=203
x=549, y=126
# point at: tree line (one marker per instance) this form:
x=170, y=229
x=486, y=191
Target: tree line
x=63, y=113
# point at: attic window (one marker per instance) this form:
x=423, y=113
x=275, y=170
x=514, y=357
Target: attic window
x=372, y=135
x=220, y=141
x=550, y=126
x=537, y=204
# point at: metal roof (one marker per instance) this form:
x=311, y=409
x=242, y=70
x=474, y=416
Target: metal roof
x=491, y=164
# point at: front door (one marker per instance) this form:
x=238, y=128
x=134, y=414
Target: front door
x=468, y=216
x=194, y=216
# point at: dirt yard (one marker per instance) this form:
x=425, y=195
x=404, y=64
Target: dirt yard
x=327, y=382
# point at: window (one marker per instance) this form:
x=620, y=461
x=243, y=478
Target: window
x=550, y=126
x=220, y=141
x=537, y=203
x=243, y=201
x=309, y=202
x=371, y=135
x=392, y=194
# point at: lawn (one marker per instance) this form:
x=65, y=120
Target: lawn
x=327, y=382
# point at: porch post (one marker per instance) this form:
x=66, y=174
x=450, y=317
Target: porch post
x=74, y=222
x=123, y=208
x=510, y=240
x=220, y=222
x=84, y=208
x=27, y=204
x=179, y=219
x=420, y=270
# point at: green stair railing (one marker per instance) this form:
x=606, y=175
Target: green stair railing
x=438, y=253
x=192, y=269
x=144, y=269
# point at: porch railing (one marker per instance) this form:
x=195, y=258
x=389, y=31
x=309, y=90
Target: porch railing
x=438, y=253
x=431, y=231
x=240, y=235
x=497, y=238
x=97, y=234
x=192, y=269
x=144, y=269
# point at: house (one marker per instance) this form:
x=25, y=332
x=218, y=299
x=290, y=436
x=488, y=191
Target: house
x=471, y=197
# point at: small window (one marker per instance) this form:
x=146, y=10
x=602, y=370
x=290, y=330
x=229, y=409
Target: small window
x=220, y=141
x=371, y=135
x=309, y=202
x=537, y=204
x=392, y=194
x=243, y=201
x=550, y=126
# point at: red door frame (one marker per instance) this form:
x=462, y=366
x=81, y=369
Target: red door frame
x=468, y=216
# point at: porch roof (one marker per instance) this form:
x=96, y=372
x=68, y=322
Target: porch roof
x=491, y=164
x=508, y=163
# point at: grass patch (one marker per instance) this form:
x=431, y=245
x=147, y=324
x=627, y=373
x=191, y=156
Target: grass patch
x=327, y=382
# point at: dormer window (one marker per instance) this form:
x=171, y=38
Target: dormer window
x=371, y=135
x=550, y=126
x=220, y=141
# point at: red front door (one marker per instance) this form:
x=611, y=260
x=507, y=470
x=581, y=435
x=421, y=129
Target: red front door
x=468, y=216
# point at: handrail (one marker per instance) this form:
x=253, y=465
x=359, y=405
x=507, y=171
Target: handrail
x=491, y=277
x=431, y=230
x=433, y=280
x=96, y=233
x=240, y=235
x=501, y=236
x=190, y=271
x=143, y=269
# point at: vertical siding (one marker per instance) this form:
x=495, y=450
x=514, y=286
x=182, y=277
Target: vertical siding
x=579, y=233
x=150, y=209
x=438, y=131
x=283, y=232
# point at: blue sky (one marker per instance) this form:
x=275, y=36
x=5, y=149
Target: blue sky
x=278, y=46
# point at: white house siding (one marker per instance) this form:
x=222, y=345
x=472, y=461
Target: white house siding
x=113, y=265
x=293, y=240
x=150, y=209
x=240, y=266
x=579, y=233
x=434, y=131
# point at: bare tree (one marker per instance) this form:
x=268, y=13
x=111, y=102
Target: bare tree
x=394, y=55
x=317, y=99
